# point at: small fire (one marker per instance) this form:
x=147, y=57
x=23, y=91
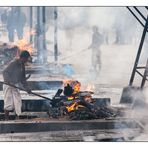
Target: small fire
x=65, y=82
x=24, y=45
x=72, y=107
x=90, y=87
x=76, y=85
x=70, y=98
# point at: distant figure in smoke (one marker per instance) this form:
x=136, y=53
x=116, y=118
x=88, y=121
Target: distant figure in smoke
x=97, y=40
x=15, y=22
x=4, y=17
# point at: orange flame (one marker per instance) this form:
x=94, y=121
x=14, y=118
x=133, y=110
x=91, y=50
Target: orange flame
x=24, y=45
x=70, y=98
x=90, y=87
x=74, y=84
x=72, y=107
x=77, y=87
x=65, y=82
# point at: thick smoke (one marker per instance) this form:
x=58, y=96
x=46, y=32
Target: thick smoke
x=118, y=52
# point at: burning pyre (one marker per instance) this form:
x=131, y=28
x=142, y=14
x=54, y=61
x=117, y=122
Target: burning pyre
x=77, y=105
x=11, y=51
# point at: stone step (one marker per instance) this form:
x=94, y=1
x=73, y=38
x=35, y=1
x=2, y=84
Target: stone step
x=38, y=125
x=41, y=105
x=73, y=136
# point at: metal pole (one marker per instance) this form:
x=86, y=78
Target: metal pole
x=55, y=35
x=38, y=27
x=146, y=7
x=135, y=16
x=145, y=75
x=31, y=24
x=44, y=35
x=140, y=13
x=139, y=52
x=26, y=91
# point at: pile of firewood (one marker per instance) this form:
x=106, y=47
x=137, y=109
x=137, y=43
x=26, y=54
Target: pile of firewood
x=78, y=105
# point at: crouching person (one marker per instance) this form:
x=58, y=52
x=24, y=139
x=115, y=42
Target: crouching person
x=14, y=74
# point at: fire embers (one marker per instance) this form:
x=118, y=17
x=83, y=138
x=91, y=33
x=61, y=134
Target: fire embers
x=82, y=114
x=80, y=110
x=71, y=91
x=77, y=99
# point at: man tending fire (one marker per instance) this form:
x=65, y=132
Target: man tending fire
x=14, y=74
x=97, y=41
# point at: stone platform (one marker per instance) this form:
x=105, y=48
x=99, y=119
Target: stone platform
x=41, y=105
x=120, y=129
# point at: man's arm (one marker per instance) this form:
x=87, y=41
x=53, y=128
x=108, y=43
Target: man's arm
x=24, y=82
